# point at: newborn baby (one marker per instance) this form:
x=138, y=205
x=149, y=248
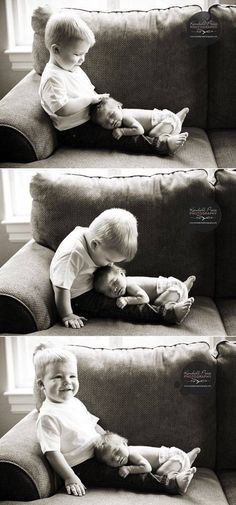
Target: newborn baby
x=112, y=282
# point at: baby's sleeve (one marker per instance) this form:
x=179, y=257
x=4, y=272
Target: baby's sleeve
x=48, y=433
x=54, y=94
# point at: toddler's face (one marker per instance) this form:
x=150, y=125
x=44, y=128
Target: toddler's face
x=110, y=116
x=103, y=256
x=113, y=285
x=72, y=54
x=116, y=455
x=60, y=381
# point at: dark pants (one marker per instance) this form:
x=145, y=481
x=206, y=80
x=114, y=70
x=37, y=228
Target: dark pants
x=95, y=474
x=93, y=304
x=90, y=135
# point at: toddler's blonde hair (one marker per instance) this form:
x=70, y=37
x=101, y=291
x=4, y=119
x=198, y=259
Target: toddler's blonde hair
x=106, y=442
x=116, y=229
x=64, y=27
x=48, y=353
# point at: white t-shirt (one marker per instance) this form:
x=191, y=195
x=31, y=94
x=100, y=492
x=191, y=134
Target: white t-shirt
x=67, y=427
x=72, y=267
x=58, y=86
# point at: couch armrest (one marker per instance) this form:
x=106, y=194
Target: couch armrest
x=26, y=295
x=26, y=132
x=25, y=473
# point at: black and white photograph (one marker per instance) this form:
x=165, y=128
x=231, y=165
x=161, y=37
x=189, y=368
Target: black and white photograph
x=118, y=83
x=116, y=420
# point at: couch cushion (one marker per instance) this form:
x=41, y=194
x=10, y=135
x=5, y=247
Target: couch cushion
x=154, y=200
x=223, y=143
x=145, y=387
x=222, y=71
x=226, y=405
x=228, y=482
x=157, y=81
x=226, y=234
x=196, y=153
x=204, y=488
x=227, y=310
x=204, y=319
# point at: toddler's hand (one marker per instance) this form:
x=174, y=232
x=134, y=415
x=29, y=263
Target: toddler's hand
x=117, y=133
x=123, y=471
x=75, y=486
x=73, y=321
x=121, y=302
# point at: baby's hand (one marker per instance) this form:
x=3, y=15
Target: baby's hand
x=123, y=471
x=75, y=486
x=73, y=321
x=117, y=133
x=121, y=302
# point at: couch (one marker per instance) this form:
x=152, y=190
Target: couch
x=182, y=395
x=145, y=59
x=168, y=245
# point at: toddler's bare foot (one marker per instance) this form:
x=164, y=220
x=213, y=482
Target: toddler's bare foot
x=176, y=141
x=182, y=114
x=183, y=479
x=189, y=282
x=182, y=309
x=193, y=454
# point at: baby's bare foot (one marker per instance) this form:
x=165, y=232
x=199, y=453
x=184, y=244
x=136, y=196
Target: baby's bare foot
x=189, y=282
x=193, y=454
x=176, y=141
x=182, y=309
x=183, y=479
x=182, y=114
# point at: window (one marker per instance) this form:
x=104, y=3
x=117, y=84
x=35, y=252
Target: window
x=20, y=349
x=20, y=33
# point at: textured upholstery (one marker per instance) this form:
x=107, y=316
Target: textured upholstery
x=145, y=387
x=222, y=71
x=226, y=234
x=228, y=482
x=227, y=310
x=223, y=143
x=226, y=406
x=154, y=200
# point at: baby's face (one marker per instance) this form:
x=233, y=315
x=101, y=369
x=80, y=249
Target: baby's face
x=113, y=285
x=110, y=116
x=72, y=54
x=116, y=455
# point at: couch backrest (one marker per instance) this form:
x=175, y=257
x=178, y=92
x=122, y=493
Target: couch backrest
x=222, y=70
x=144, y=59
x=226, y=234
x=168, y=244
x=139, y=393
x=226, y=405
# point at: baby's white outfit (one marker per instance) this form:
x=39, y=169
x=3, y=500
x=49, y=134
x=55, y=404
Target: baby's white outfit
x=67, y=427
x=172, y=284
x=72, y=267
x=58, y=86
x=165, y=115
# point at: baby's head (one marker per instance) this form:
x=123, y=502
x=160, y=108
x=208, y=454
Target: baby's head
x=110, y=281
x=112, y=237
x=107, y=113
x=112, y=449
x=56, y=372
x=68, y=39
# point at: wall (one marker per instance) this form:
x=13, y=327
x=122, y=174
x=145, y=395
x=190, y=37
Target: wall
x=8, y=77
x=7, y=418
x=7, y=248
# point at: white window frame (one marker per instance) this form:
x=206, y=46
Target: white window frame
x=20, y=56
x=21, y=399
